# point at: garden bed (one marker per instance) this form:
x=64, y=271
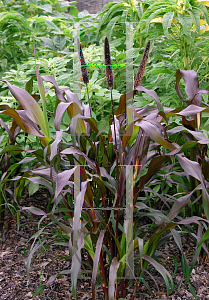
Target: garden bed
x=14, y=283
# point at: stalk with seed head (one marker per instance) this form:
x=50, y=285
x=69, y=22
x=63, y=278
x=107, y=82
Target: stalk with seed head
x=85, y=77
x=110, y=83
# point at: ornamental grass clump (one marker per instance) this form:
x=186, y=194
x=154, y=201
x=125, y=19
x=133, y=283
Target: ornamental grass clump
x=107, y=211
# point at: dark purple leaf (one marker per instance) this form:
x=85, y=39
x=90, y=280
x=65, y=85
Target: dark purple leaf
x=191, y=86
x=154, y=166
x=96, y=261
x=154, y=135
x=178, y=205
x=75, y=151
x=192, y=110
x=58, y=92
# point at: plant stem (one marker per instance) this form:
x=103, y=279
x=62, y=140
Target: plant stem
x=117, y=171
x=121, y=288
x=126, y=287
x=105, y=287
x=91, y=117
x=116, y=150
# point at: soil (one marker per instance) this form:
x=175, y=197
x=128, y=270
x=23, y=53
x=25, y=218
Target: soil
x=15, y=285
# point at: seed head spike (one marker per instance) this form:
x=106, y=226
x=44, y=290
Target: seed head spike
x=108, y=66
x=84, y=71
x=142, y=66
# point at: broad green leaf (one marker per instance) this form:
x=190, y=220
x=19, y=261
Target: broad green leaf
x=12, y=149
x=33, y=187
x=46, y=7
x=196, y=18
x=186, y=22
x=60, y=41
x=48, y=43
x=89, y=246
x=110, y=26
x=167, y=20
x=51, y=25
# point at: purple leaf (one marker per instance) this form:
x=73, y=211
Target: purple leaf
x=74, y=151
x=49, y=174
x=191, y=86
x=178, y=205
x=62, y=180
x=96, y=261
x=28, y=103
x=58, y=92
x=154, y=135
x=35, y=210
x=112, y=277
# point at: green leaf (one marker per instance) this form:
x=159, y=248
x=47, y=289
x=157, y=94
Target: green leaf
x=46, y=7
x=45, y=124
x=39, y=290
x=167, y=20
x=73, y=11
x=165, y=274
x=12, y=149
x=51, y=25
x=18, y=220
x=94, y=76
x=204, y=238
x=192, y=291
x=111, y=26
x=89, y=246
x=48, y=43
x=60, y=41
x=196, y=18
x=186, y=22
x=33, y=188
x=204, y=10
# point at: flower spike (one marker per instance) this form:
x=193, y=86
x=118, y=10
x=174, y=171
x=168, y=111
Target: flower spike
x=84, y=71
x=142, y=66
x=108, y=66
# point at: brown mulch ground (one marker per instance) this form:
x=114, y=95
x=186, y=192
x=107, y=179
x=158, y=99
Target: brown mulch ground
x=14, y=283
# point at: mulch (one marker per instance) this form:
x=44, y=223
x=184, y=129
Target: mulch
x=15, y=285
